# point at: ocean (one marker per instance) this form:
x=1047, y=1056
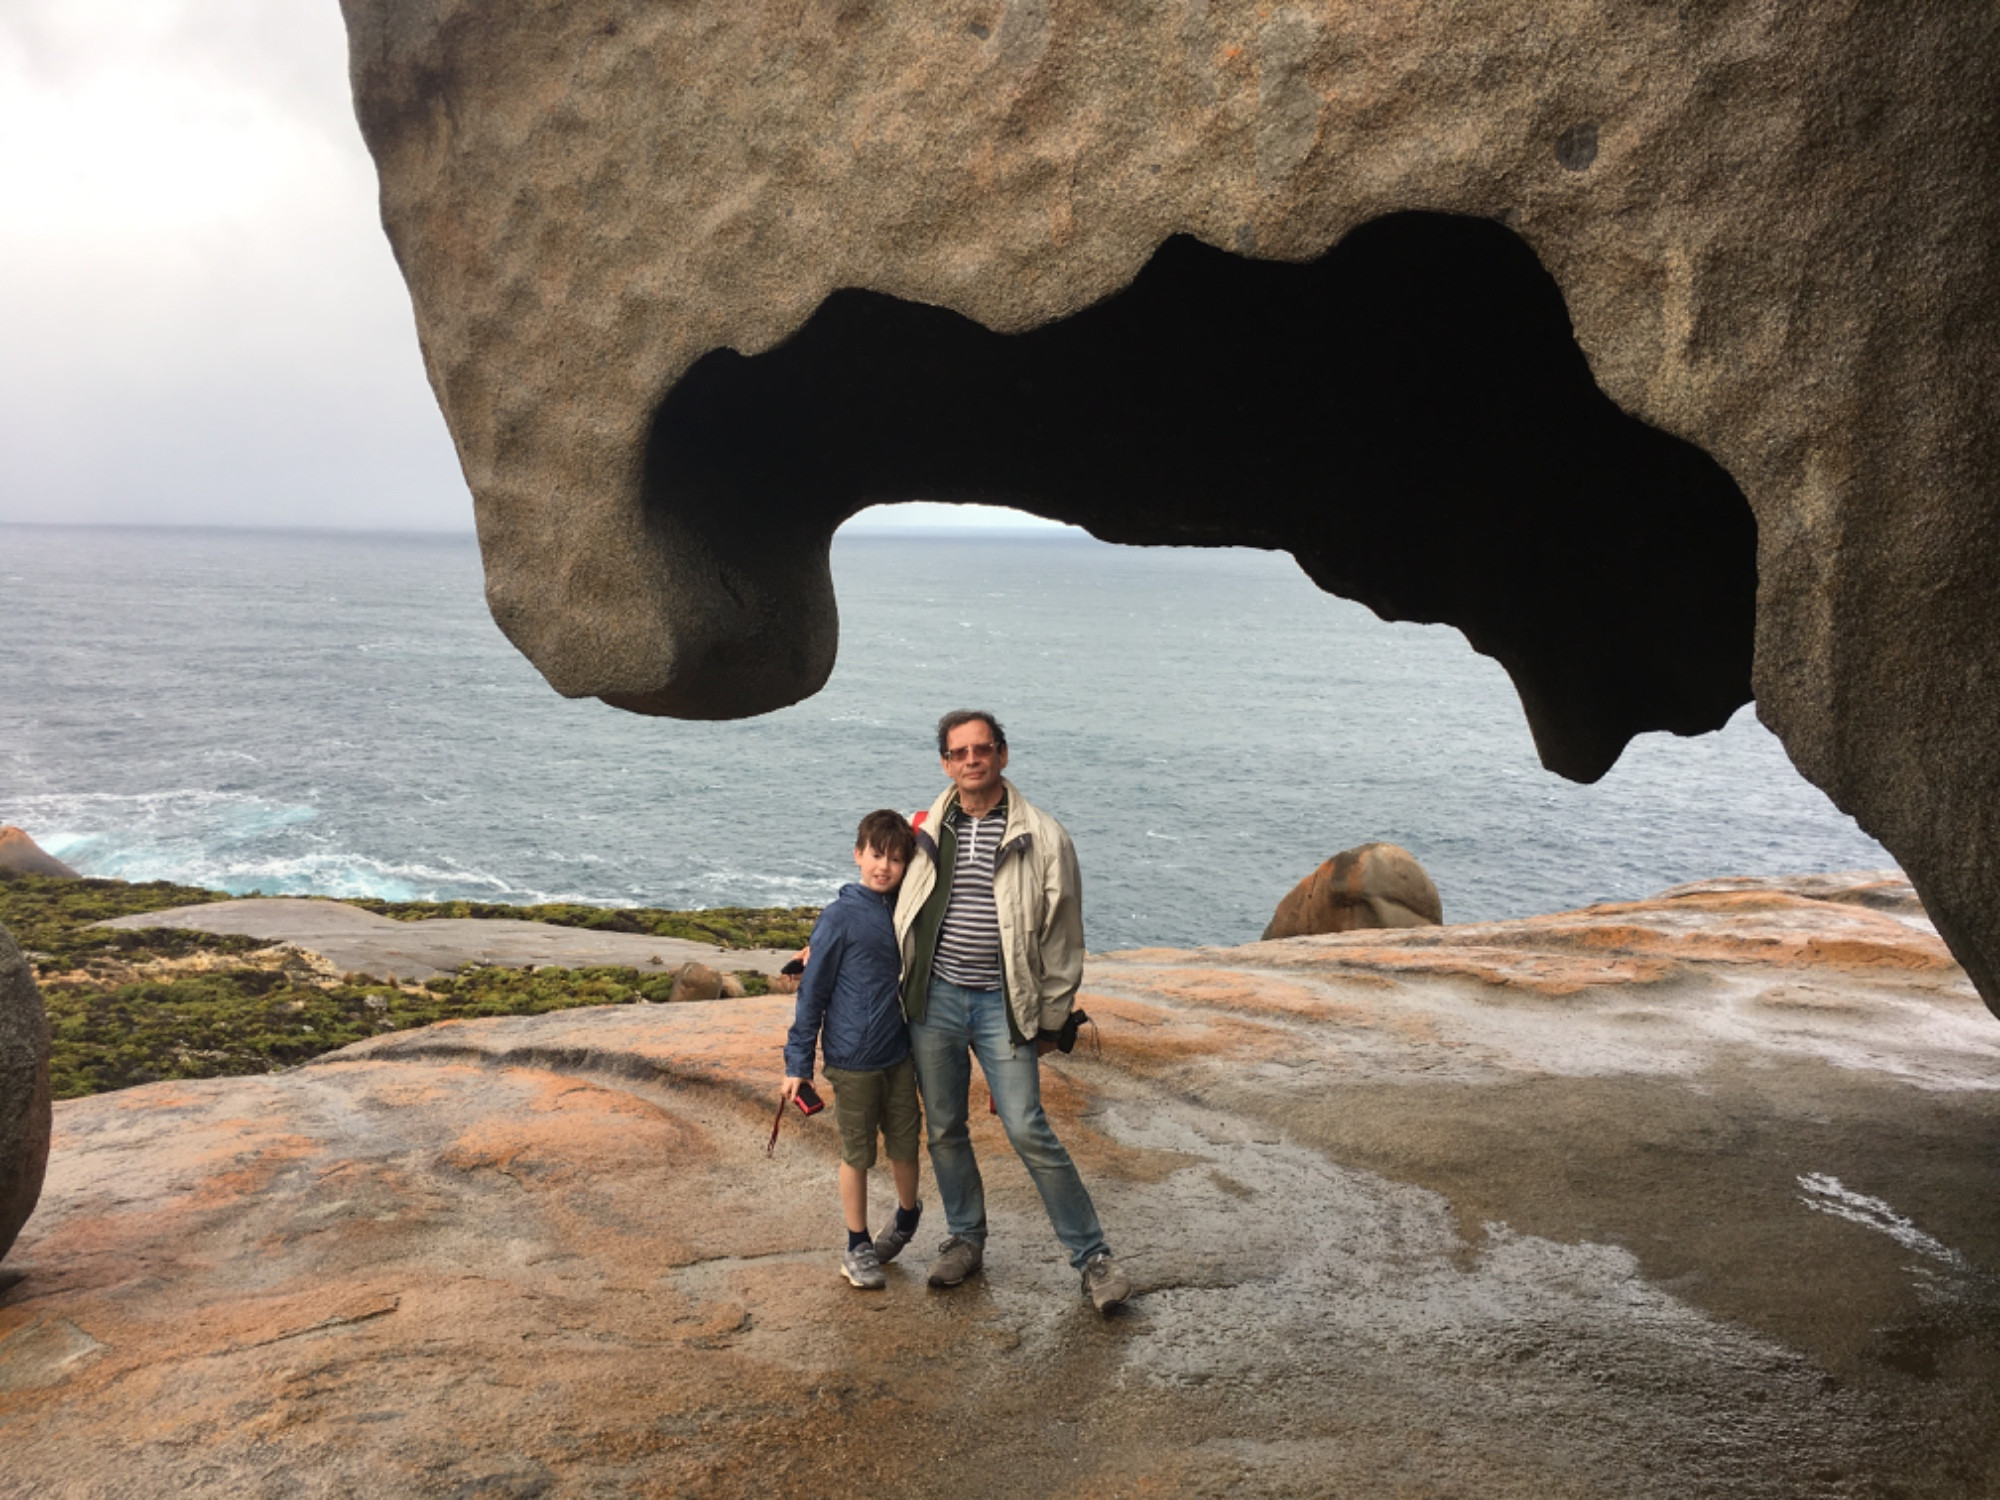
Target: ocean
x=336, y=713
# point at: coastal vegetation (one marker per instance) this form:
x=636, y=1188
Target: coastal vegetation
x=725, y=926
x=137, y=1006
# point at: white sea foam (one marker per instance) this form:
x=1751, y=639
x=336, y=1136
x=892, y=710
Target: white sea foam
x=302, y=713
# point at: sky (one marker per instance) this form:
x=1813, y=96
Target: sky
x=203, y=323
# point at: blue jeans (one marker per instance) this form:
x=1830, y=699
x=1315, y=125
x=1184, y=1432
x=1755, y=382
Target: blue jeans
x=960, y=1024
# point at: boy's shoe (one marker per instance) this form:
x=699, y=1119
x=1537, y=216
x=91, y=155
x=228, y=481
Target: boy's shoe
x=957, y=1259
x=1103, y=1283
x=860, y=1266
x=891, y=1242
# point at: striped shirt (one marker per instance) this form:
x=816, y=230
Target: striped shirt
x=968, y=945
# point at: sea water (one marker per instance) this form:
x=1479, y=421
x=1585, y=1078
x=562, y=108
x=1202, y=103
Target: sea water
x=336, y=713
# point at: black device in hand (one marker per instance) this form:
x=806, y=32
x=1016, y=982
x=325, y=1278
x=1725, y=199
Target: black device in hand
x=808, y=1101
x=1064, y=1039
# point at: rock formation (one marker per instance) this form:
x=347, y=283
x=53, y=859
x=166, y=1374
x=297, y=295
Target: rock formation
x=1514, y=1209
x=695, y=981
x=24, y=1091
x=1372, y=885
x=21, y=855
x=1652, y=346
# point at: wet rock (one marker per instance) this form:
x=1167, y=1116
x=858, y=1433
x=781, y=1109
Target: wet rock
x=21, y=855
x=24, y=1091
x=1499, y=1209
x=1372, y=885
x=1772, y=237
x=696, y=981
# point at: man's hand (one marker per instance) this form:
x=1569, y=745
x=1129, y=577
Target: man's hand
x=1045, y=1043
x=791, y=1089
x=786, y=980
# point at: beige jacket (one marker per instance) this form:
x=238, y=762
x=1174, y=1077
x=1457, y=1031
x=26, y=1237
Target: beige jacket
x=1038, y=889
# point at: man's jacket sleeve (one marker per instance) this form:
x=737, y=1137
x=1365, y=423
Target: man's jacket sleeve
x=815, y=990
x=1061, y=936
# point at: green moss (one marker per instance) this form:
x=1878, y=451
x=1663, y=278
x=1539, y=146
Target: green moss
x=111, y=1030
x=52, y=916
x=237, y=1021
x=725, y=926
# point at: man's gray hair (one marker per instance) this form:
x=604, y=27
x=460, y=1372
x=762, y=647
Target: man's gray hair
x=960, y=716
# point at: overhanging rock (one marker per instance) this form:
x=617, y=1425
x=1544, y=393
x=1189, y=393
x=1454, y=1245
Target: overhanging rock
x=695, y=283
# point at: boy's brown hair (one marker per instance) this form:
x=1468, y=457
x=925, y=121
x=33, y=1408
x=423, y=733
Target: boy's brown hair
x=886, y=831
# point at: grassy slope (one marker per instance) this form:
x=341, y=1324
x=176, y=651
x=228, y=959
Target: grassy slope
x=135, y=1007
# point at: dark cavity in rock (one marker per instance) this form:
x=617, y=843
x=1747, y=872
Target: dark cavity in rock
x=1409, y=415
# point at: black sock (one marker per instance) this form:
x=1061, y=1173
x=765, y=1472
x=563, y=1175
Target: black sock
x=857, y=1237
x=906, y=1219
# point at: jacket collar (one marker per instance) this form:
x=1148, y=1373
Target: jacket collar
x=1014, y=837
x=854, y=890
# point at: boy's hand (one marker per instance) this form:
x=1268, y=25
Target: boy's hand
x=790, y=1090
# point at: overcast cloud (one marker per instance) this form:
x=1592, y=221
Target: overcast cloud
x=203, y=323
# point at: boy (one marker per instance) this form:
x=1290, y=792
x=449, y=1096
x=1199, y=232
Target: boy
x=850, y=1003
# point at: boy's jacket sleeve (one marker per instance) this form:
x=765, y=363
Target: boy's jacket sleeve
x=815, y=989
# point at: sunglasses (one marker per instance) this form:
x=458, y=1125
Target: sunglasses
x=982, y=751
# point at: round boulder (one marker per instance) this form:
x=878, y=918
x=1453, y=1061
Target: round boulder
x=695, y=981
x=1373, y=885
x=25, y=1110
x=21, y=855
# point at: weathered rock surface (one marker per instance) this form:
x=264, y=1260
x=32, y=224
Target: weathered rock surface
x=364, y=942
x=1683, y=1196
x=24, y=1091
x=696, y=981
x=21, y=855
x=1371, y=885
x=1772, y=229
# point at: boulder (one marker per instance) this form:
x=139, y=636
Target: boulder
x=696, y=981
x=1653, y=347
x=25, y=1109
x=21, y=855
x=1371, y=885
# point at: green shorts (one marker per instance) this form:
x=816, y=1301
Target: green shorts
x=883, y=1099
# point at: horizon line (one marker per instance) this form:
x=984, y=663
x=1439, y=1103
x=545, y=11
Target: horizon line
x=1056, y=530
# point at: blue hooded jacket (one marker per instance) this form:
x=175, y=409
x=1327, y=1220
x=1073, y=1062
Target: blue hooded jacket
x=849, y=999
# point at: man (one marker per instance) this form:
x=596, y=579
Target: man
x=991, y=924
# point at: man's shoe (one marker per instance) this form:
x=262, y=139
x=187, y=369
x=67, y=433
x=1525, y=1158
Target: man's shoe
x=1103, y=1283
x=957, y=1259
x=860, y=1266
x=891, y=1242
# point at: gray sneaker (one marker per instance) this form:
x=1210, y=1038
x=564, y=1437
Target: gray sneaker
x=891, y=1242
x=1103, y=1283
x=957, y=1259
x=860, y=1266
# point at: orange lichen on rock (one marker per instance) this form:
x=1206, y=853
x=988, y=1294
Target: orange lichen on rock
x=1552, y=973
x=548, y=1254
x=1637, y=942
x=1373, y=885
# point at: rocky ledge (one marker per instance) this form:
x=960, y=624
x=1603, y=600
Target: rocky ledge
x=1689, y=1195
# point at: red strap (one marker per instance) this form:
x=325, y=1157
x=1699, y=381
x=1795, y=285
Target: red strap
x=772, y=1144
